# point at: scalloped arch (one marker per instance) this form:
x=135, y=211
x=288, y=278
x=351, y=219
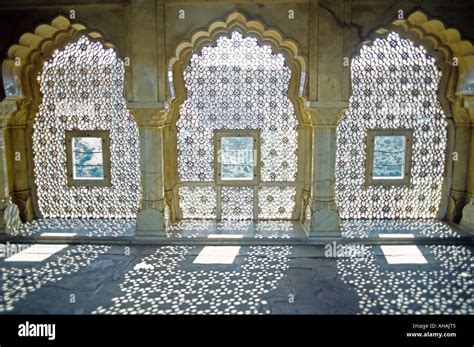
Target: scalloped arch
x=20, y=72
x=25, y=60
x=443, y=44
x=272, y=37
x=238, y=21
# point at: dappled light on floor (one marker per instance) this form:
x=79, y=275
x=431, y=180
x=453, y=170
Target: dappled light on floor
x=167, y=282
x=19, y=280
x=62, y=227
x=274, y=230
x=418, y=228
x=35, y=253
x=225, y=236
x=53, y=234
x=217, y=255
x=441, y=284
x=236, y=229
x=397, y=236
x=404, y=254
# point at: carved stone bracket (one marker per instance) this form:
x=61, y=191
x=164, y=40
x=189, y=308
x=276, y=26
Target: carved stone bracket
x=326, y=114
x=467, y=103
x=8, y=107
x=148, y=117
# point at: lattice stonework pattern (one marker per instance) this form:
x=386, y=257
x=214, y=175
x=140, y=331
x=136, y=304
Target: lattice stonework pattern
x=237, y=203
x=237, y=84
x=394, y=86
x=198, y=202
x=276, y=202
x=82, y=89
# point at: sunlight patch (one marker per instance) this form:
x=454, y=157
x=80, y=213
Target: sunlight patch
x=403, y=255
x=217, y=255
x=225, y=236
x=397, y=236
x=49, y=234
x=143, y=266
x=36, y=253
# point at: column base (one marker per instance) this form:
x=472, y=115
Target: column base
x=24, y=203
x=10, y=220
x=325, y=222
x=150, y=223
x=467, y=221
x=455, y=206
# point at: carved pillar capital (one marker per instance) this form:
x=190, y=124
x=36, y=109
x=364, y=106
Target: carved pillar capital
x=325, y=114
x=147, y=117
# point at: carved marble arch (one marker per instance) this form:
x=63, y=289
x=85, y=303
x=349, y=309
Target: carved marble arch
x=447, y=47
x=235, y=21
x=21, y=71
x=25, y=60
x=453, y=58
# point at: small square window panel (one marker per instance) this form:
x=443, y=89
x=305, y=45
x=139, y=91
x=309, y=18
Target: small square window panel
x=389, y=153
x=237, y=158
x=389, y=157
x=88, y=158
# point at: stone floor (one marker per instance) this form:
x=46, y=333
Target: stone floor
x=122, y=229
x=77, y=227
x=237, y=229
x=434, y=229
x=362, y=279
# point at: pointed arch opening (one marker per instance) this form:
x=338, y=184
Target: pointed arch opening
x=238, y=112
x=393, y=143
x=80, y=142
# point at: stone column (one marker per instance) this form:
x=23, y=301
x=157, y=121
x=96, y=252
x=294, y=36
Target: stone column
x=9, y=213
x=150, y=219
x=328, y=94
x=470, y=178
x=467, y=221
x=147, y=106
x=458, y=192
x=325, y=219
x=4, y=193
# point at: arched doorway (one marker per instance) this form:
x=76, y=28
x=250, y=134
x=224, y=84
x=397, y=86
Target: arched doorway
x=74, y=145
x=85, y=142
x=392, y=142
x=237, y=136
